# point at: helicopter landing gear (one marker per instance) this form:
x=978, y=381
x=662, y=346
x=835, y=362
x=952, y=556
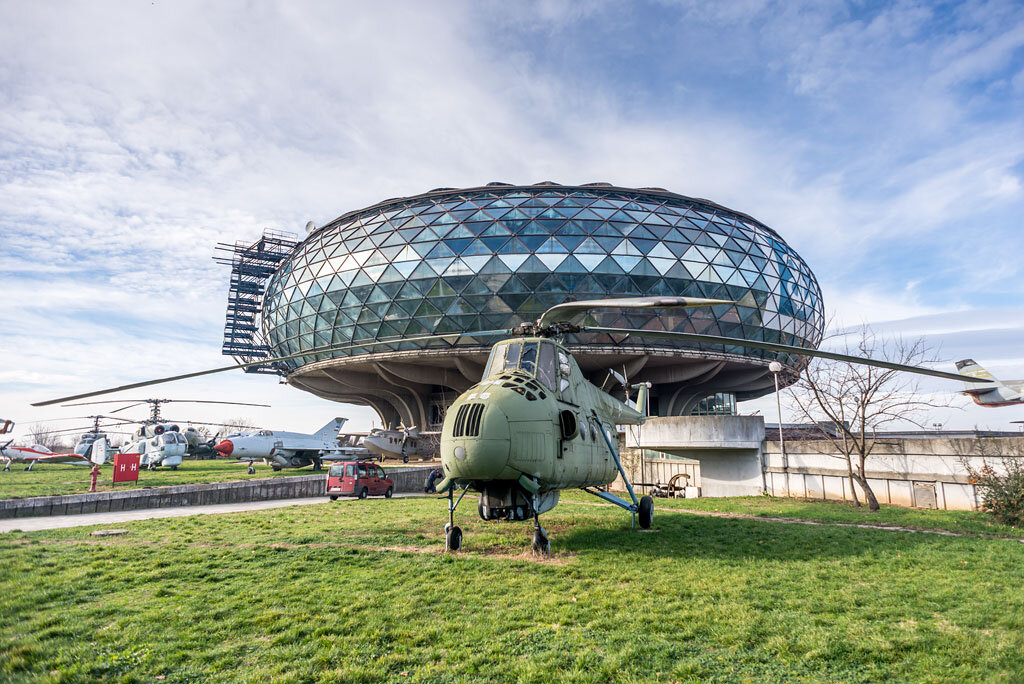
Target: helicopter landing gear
x=251, y=470
x=641, y=510
x=541, y=544
x=645, y=512
x=452, y=532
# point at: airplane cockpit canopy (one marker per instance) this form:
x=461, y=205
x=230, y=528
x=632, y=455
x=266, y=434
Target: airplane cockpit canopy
x=536, y=357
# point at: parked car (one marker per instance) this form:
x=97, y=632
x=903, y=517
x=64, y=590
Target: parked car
x=358, y=478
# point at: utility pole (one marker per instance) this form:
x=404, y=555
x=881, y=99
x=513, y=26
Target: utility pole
x=775, y=367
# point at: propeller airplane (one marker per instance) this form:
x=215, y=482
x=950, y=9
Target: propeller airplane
x=534, y=425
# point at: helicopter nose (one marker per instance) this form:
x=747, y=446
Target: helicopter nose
x=224, y=448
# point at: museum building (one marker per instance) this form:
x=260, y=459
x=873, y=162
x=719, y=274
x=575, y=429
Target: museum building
x=493, y=257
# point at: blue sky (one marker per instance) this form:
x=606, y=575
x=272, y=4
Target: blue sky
x=884, y=141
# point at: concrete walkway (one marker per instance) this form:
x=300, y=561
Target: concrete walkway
x=58, y=521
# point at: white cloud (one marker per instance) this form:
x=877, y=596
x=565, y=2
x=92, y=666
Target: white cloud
x=133, y=137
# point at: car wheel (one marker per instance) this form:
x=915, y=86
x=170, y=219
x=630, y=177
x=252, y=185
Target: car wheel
x=387, y=494
x=363, y=493
x=405, y=459
x=334, y=497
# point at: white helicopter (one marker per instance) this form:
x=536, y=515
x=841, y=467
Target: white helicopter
x=280, y=449
x=161, y=443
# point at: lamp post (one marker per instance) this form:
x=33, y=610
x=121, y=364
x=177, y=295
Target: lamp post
x=775, y=367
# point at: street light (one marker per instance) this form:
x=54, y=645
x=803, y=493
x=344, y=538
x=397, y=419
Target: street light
x=775, y=367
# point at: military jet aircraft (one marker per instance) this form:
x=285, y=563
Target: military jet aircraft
x=994, y=392
x=403, y=443
x=281, y=449
x=534, y=425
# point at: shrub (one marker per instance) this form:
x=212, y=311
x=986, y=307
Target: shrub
x=1002, y=494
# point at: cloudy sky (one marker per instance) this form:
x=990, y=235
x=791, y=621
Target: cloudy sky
x=884, y=141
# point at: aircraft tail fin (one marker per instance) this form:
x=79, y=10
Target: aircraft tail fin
x=100, y=451
x=332, y=429
x=972, y=368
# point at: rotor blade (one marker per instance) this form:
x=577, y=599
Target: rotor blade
x=206, y=401
x=87, y=429
x=316, y=351
x=125, y=408
x=203, y=422
x=784, y=348
x=566, y=311
x=108, y=401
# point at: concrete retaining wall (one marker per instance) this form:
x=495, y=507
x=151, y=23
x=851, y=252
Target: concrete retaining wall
x=295, y=487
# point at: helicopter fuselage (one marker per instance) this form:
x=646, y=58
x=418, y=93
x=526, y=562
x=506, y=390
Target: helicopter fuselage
x=532, y=426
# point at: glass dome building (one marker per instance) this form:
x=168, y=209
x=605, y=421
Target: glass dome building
x=495, y=256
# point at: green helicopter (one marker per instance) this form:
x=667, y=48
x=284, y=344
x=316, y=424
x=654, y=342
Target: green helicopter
x=534, y=425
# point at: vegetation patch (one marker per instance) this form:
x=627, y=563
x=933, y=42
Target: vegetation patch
x=361, y=591
x=53, y=478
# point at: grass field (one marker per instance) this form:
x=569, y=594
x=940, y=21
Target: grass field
x=361, y=591
x=46, y=479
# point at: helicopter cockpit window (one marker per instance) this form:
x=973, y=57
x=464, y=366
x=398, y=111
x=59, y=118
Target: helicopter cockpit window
x=168, y=438
x=546, y=366
x=528, y=361
x=511, y=356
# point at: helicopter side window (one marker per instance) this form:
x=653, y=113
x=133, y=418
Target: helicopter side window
x=528, y=362
x=563, y=371
x=546, y=366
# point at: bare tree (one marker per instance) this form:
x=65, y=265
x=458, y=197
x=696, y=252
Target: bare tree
x=855, y=401
x=43, y=434
x=236, y=425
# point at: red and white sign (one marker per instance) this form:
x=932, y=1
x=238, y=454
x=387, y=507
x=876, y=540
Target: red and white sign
x=126, y=468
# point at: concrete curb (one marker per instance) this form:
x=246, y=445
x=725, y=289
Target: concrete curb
x=409, y=479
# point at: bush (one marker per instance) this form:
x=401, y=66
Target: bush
x=1002, y=494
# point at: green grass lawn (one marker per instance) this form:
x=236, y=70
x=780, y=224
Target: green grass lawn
x=361, y=591
x=969, y=522
x=56, y=478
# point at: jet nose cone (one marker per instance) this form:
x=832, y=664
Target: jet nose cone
x=224, y=448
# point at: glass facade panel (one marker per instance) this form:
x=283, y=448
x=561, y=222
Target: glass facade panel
x=497, y=256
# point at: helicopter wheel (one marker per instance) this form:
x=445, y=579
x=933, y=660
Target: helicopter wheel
x=251, y=471
x=405, y=459
x=452, y=538
x=645, y=514
x=541, y=544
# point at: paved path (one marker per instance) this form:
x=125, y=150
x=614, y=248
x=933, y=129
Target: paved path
x=56, y=521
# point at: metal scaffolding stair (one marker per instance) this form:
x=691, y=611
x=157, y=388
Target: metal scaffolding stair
x=251, y=266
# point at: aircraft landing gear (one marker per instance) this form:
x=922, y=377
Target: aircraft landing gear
x=541, y=544
x=641, y=510
x=7, y=466
x=30, y=465
x=645, y=512
x=453, y=533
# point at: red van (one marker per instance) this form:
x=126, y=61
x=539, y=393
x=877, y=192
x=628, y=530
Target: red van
x=358, y=478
